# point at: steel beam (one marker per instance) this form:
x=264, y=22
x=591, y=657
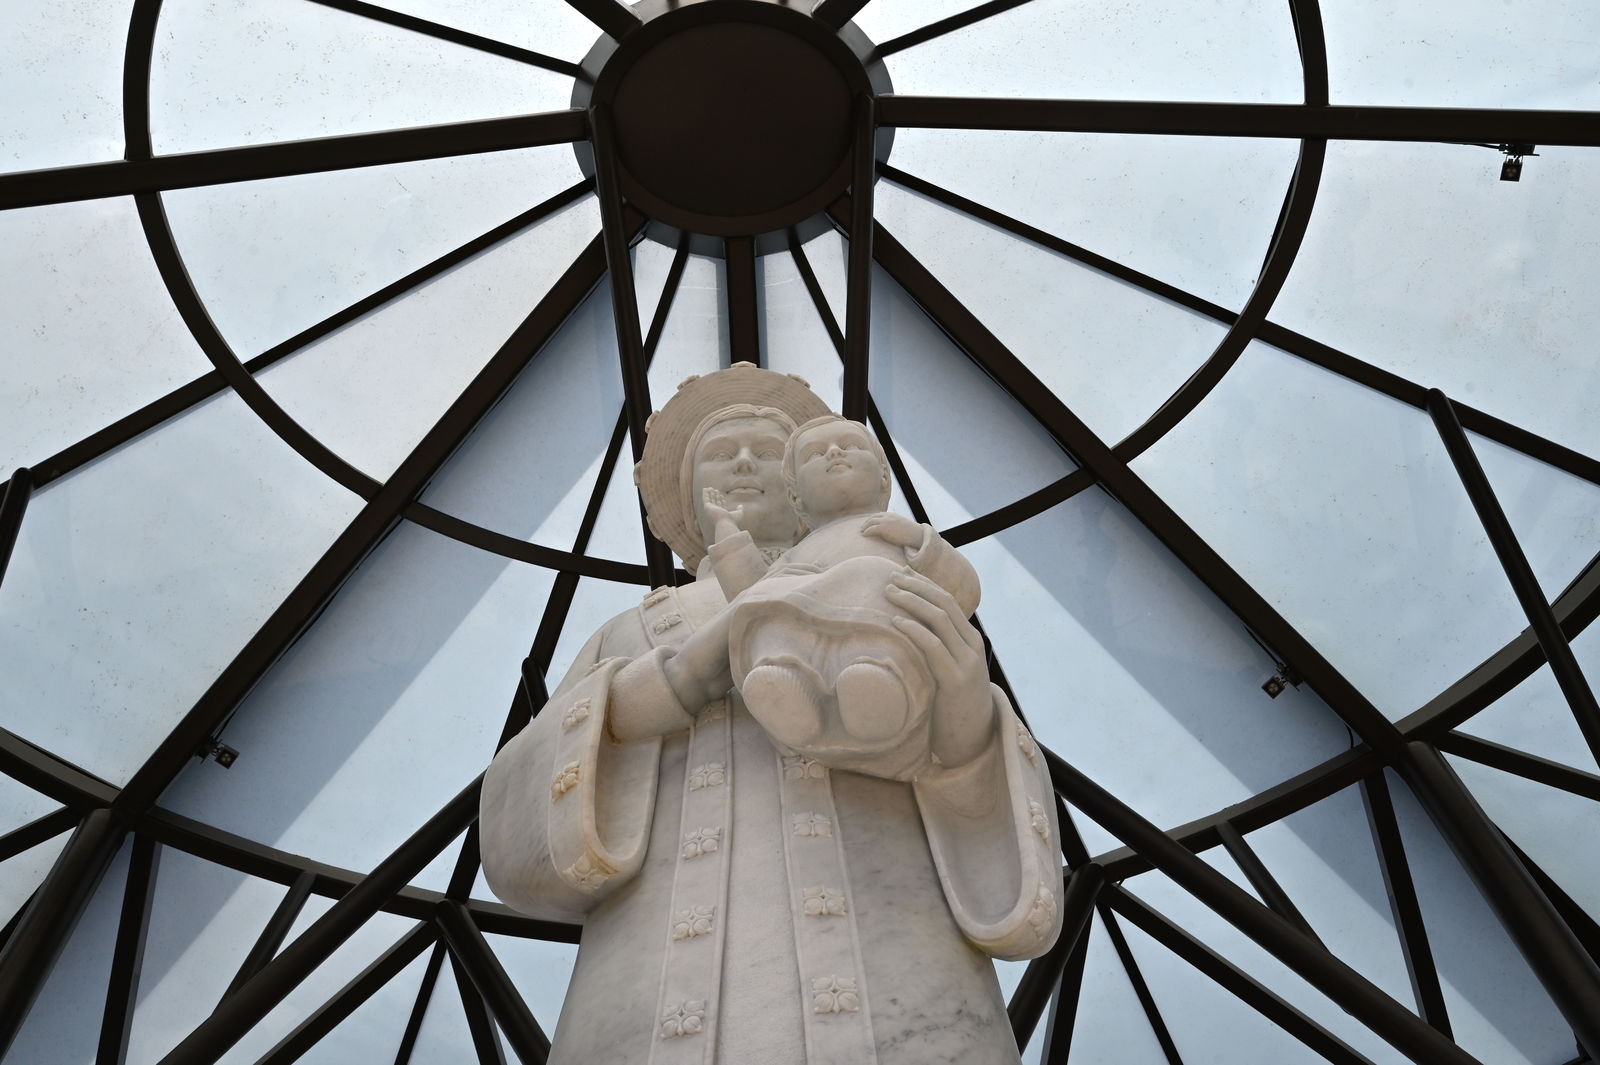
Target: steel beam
x=127, y=958
x=480, y=1026
x=1521, y=763
x=469, y=947
x=31, y=951
x=36, y=832
x=1170, y=118
x=1563, y=663
x=617, y=20
x=836, y=13
x=1261, y=878
x=744, y=324
x=858, y=268
x=1064, y=1004
x=1043, y=975
x=419, y=1008
x=934, y=30
x=13, y=505
x=1141, y=990
x=451, y=35
x=276, y=931
x=220, y=166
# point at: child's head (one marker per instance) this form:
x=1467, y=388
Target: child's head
x=833, y=467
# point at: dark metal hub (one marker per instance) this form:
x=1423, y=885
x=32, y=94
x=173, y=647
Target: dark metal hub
x=731, y=118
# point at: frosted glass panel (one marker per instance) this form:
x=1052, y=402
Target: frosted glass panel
x=793, y=337
x=695, y=337
x=61, y=78
x=1498, y=1011
x=1110, y=1024
x=1196, y=212
x=203, y=922
x=372, y=390
x=973, y=447
x=595, y=603
x=1162, y=50
x=406, y=677
x=1536, y=717
x=270, y=258
x=1556, y=517
x=618, y=531
x=539, y=971
x=1127, y=666
x=136, y=580
x=1345, y=512
x=1112, y=352
x=529, y=467
x=1420, y=260
x=1464, y=53
x=316, y=71
x=444, y=1036
x=89, y=331
x=22, y=873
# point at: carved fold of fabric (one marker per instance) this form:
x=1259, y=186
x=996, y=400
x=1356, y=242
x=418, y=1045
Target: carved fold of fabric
x=992, y=831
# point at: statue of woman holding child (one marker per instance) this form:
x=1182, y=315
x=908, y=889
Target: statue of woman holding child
x=786, y=803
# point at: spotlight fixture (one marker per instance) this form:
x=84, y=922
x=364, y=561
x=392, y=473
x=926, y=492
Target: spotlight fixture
x=1511, y=169
x=1276, y=684
x=224, y=755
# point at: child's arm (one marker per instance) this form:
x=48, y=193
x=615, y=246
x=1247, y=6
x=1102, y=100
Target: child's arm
x=735, y=558
x=928, y=554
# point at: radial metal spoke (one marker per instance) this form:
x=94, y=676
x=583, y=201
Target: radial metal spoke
x=1174, y=118
x=127, y=958
x=221, y=166
x=858, y=268
x=744, y=326
x=13, y=505
x=36, y=832
x=933, y=30
x=836, y=13
x=1141, y=990
x=1521, y=763
x=419, y=1007
x=276, y=931
x=452, y=35
x=468, y=946
x=616, y=19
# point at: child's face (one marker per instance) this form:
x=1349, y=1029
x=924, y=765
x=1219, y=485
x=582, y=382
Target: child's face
x=836, y=470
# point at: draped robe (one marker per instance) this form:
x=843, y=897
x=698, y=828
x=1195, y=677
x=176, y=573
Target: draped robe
x=743, y=904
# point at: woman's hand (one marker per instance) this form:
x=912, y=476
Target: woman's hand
x=963, y=708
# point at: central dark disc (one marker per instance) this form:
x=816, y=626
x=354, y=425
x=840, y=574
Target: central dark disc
x=732, y=119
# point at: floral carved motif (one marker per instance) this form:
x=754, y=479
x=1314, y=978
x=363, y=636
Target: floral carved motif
x=823, y=902
x=1030, y=750
x=587, y=873
x=799, y=767
x=578, y=714
x=811, y=824
x=835, y=994
x=665, y=622
x=686, y=924
x=1037, y=818
x=714, y=711
x=686, y=1018
x=710, y=775
x=566, y=779
x=1043, y=913
x=701, y=841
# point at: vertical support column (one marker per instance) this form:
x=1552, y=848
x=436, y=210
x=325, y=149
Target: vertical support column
x=32, y=950
x=1043, y=975
x=1566, y=970
x=13, y=504
x=1580, y=697
x=858, y=284
x=744, y=324
x=625, y=311
x=122, y=990
x=488, y=976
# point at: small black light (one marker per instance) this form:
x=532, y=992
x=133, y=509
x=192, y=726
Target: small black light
x=1275, y=685
x=225, y=755
x=1511, y=169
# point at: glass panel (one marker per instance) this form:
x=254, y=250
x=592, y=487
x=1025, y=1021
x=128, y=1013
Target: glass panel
x=354, y=955
x=373, y=389
x=21, y=874
x=618, y=531
x=552, y=28
x=315, y=71
x=1556, y=517
x=529, y=468
x=1345, y=512
x=90, y=330
x=61, y=78
x=933, y=399
x=1419, y=260
x=1536, y=717
x=539, y=971
x=595, y=603
x=1127, y=666
x=1558, y=830
x=1161, y=50
x=1476, y=53
x=424, y=641
x=376, y=1025
x=270, y=258
x=136, y=580
x=1112, y=352
x=1498, y=1011
x=793, y=338
x=444, y=1036
x=1324, y=859
x=695, y=337
x=204, y=920
x=1196, y=212
x=64, y=1023
x=1110, y=1024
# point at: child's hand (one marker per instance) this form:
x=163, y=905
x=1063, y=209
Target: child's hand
x=725, y=522
x=895, y=529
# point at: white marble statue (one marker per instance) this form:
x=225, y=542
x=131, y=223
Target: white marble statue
x=742, y=901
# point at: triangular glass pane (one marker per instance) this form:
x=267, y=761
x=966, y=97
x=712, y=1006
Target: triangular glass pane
x=1443, y=54
x=618, y=531
x=64, y=1023
x=1560, y=831
x=444, y=1038
x=1346, y=514
x=1125, y=351
x=373, y=389
x=91, y=331
x=694, y=339
x=63, y=84
x=203, y=922
x=426, y=639
x=1090, y=614
x=594, y=604
x=376, y=1025
x=21, y=874
x=792, y=332
x=20, y=804
x=271, y=258
x=126, y=557
x=1498, y=1010
x=316, y=71
x=976, y=449
x=1420, y=261
x=554, y=29
x=1164, y=50
x=540, y=972
x=1555, y=516
x=1196, y=212
x=529, y=467
x=1535, y=716
x=1110, y=1024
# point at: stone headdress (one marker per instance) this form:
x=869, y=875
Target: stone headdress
x=665, y=473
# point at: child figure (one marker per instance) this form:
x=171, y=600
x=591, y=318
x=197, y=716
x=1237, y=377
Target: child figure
x=812, y=643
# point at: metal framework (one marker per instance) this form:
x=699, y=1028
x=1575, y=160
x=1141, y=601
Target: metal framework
x=1558, y=939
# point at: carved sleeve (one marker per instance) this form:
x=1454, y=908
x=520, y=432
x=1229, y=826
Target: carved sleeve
x=549, y=847
x=991, y=826
x=737, y=562
x=946, y=567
